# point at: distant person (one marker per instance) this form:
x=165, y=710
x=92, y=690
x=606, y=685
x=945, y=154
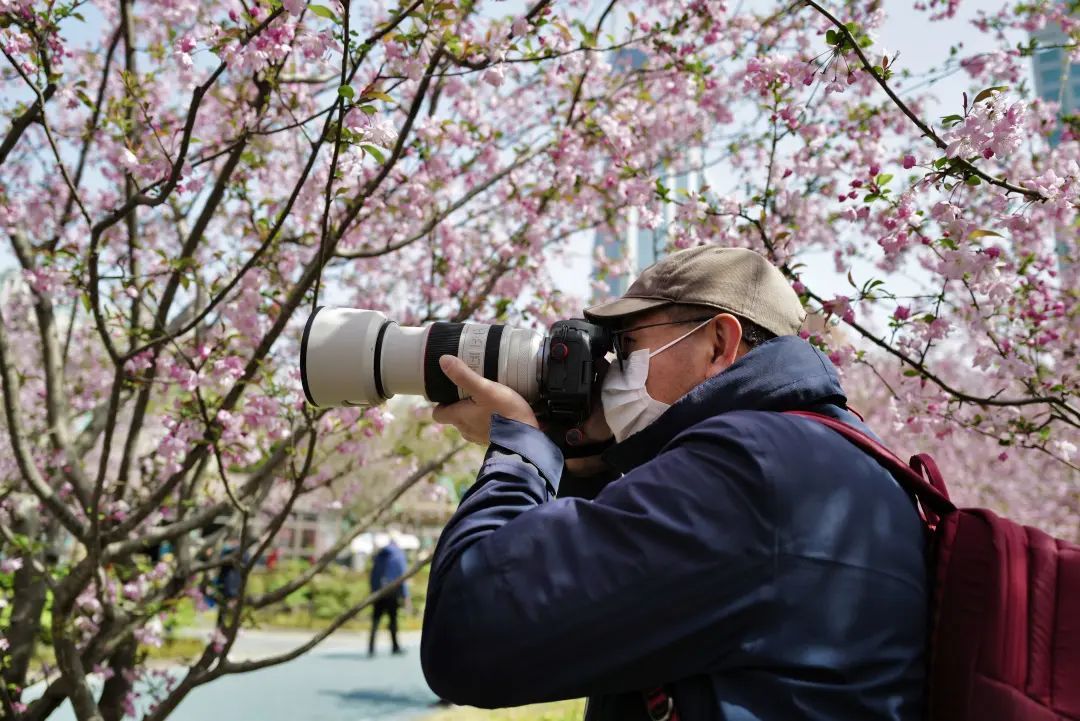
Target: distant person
x=230, y=577
x=389, y=565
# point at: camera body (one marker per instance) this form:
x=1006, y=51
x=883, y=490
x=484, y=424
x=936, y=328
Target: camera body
x=574, y=348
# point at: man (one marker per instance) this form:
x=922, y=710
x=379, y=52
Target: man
x=751, y=565
x=388, y=566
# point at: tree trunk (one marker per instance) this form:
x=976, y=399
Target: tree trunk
x=28, y=601
x=118, y=685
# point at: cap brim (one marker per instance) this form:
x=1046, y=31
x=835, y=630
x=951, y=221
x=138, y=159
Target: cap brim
x=623, y=307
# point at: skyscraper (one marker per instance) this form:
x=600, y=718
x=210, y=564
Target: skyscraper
x=1056, y=80
x=642, y=246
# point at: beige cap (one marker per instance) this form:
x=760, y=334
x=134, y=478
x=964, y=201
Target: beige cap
x=735, y=280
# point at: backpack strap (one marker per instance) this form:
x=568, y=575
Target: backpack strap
x=921, y=478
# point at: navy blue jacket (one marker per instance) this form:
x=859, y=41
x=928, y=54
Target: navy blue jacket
x=758, y=564
x=389, y=566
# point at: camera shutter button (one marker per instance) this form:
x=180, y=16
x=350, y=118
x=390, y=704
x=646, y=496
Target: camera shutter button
x=559, y=351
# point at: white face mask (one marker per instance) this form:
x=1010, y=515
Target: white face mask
x=628, y=407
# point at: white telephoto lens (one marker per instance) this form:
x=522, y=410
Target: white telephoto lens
x=337, y=357
x=356, y=357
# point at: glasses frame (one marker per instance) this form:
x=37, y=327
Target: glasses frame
x=615, y=334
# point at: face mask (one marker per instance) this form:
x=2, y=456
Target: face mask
x=628, y=407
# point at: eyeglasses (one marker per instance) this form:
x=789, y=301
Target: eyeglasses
x=621, y=353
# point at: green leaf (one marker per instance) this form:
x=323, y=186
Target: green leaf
x=661, y=190
x=950, y=120
x=368, y=109
x=883, y=179
x=832, y=37
x=911, y=373
x=375, y=152
x=972, y=180
x=983, y=233
x=346, y=91
x=323, y=12
x=378, y=95
x=984, y=94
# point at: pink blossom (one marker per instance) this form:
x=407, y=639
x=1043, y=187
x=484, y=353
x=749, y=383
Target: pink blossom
x=217, y=640
x=763, y=74
x=992, y=126
x=377, y=131
x=495, y=75
x=129, y=160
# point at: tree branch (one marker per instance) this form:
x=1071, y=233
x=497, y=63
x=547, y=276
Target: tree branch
x=25, y=120
x=17, y=434
x=926, y=130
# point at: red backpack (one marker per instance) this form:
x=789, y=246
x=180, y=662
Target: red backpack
x=1005, y=623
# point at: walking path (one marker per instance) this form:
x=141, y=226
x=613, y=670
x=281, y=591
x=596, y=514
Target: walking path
x=335, y=682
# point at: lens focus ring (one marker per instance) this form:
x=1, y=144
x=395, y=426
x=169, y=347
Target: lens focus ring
x=442, y=340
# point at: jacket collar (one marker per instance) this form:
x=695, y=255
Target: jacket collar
x=785, y=373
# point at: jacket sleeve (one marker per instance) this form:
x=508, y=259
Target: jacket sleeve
x=534, y=599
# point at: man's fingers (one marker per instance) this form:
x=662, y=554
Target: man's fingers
x=463, y=376
x=447, y=413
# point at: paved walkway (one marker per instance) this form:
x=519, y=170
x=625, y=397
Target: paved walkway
x=335, y=682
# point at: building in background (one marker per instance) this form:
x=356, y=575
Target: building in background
x=644, y=246
x=1056, y=79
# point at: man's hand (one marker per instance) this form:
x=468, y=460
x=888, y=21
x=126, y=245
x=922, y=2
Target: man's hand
x=472, y=416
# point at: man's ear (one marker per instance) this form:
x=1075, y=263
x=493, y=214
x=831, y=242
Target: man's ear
x=726, y=337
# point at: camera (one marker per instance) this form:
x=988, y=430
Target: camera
x=357, y=357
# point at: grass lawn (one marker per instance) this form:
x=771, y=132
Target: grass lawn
x=558, y=711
